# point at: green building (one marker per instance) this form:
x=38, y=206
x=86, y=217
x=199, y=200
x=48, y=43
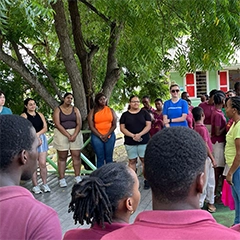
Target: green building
x=202, y=82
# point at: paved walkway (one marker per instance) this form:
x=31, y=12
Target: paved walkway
x=59, y=198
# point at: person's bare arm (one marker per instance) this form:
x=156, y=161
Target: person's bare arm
x=146, y=129
x=166, y=121
x=113, y=127
x=57, y=123
x=91, y=125
x=78, y=124
x=125, y=131
x=219, y=131
x=44, y=129
x=210, y=155
x=179, y=119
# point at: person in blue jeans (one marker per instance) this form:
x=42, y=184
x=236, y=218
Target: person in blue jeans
x=102, y=121
x=232, y=152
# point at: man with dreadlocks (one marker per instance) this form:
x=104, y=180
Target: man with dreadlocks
x=105, y=200
x=21, y=215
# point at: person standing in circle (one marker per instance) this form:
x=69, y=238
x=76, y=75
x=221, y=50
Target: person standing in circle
x=102, y=121
x=232, y=152
x=135, y=124
x=157, y=121
x=106, y=200
x=3, y=110
x=39, y=123
x=175, y=110
x=67, y=136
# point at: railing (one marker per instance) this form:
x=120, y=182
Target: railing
x=83, y=157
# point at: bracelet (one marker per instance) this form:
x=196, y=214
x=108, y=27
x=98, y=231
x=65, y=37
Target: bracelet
x=170, y=120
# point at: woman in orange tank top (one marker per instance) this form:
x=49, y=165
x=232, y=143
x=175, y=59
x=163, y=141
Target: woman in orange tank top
x=102, y=121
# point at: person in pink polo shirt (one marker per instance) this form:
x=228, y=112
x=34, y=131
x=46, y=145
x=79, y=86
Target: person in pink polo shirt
x=174, y=167
x=209, y=188
x=22, y=216
x=218, y=133
x=208, y=107
x=106, y=200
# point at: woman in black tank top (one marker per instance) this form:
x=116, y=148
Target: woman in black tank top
x=39, y=123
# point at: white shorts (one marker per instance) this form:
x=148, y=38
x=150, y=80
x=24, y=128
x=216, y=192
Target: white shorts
x=61, y=142
x=218, y=153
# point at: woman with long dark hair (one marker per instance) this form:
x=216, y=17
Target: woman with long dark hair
x=102, y=121
x=67, y=137
x=39, y=123
x=106, y=200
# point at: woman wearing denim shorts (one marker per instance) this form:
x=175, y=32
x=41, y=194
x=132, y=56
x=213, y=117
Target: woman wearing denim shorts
x=39, y=123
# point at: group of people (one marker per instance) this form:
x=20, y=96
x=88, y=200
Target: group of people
x=216, y=120
x=107, y=198
x=188, y=162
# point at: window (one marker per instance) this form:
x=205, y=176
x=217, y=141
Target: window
x=223, y=80
x=201, y=83
x=196, y=84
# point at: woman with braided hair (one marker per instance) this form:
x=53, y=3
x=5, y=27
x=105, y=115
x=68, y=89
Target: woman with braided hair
x=106, y=200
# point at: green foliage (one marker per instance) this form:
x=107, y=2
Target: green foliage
x=157, y=36
x=13, y=88
x=130, y=84
x=21, y=16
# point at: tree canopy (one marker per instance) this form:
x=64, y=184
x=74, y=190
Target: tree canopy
x=118, y=47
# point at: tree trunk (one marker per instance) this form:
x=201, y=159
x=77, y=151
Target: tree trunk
x=69, y=59
x=82, y=53
x=113, y=70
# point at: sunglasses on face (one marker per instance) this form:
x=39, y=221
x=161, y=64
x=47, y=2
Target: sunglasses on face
x=175, y=90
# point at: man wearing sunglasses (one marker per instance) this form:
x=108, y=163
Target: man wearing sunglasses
x=175, y=110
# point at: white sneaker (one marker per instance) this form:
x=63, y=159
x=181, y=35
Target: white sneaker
x=62, y=182
x=78, y=179
x=45, y=188
x=36, y=190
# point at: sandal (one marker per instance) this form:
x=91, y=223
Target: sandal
x=211, y=208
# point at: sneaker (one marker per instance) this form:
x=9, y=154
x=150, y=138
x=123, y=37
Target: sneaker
x=146, y=185
x=62, y=182
x=36, y=190
x=45, y=188
x=78, y=179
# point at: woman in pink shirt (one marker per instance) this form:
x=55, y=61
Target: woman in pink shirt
x=106, y=199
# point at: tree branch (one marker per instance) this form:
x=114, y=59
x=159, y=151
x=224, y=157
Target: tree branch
x=19, y=56
x=113, y=70
x=89, y=5
x=29, y=77
x=47, y=73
